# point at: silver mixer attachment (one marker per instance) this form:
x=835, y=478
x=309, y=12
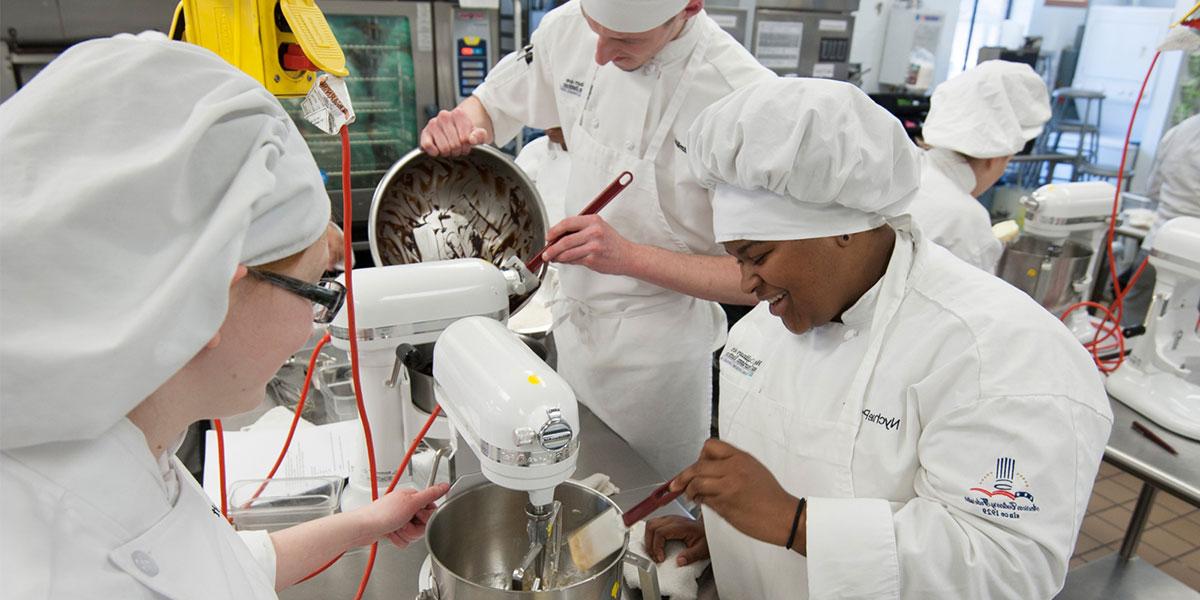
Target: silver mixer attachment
x=539, y=566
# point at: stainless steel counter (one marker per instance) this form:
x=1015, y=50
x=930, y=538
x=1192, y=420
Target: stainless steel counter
x=1123, y=575
x=396, y=571
x=1132, y=452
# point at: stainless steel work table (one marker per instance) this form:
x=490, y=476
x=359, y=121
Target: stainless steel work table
x=396, y=571
x=1123, y=575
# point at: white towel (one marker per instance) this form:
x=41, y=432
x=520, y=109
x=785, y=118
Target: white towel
x=599, y=482
x=673, y=580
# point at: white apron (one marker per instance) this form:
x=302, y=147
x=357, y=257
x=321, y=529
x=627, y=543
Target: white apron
x=809, y=456
x=638, y=355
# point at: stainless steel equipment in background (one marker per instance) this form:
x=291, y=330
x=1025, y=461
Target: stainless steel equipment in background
x=911, y=49
x=1055, y=273
x=407, y=60
x=35, y=32
x=803, y=38
x=1056, y=258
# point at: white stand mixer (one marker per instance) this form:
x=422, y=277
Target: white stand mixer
x=398, y=308
x=1161, y=376
x=1059, y=217
x=516, y=414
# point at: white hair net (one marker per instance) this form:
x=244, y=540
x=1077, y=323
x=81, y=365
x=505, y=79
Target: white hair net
x=989, y=111
x=801, y=158
x=138, y=173
x=632, y=16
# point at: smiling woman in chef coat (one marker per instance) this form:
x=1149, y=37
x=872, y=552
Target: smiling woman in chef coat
x=162, y=239
x=894, y=422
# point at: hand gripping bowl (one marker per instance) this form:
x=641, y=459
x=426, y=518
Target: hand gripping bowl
x=481, y=205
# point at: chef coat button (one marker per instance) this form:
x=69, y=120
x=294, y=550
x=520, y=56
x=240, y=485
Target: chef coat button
x=595, y=123
x=629, y=145
x=850, y=334
x=144, y=563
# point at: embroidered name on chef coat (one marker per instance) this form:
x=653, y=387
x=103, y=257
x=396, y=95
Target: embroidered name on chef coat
x=741, y=362
x=888, y=423
x=570, y=86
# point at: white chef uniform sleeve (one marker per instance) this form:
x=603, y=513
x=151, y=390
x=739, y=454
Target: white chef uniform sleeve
x=258, y=541
x=1154, y=183
x=1001, y=491
x=989, y=253
x=519, y=91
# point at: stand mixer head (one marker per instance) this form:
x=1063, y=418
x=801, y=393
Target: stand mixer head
x=515, y=413
x=1161, y=376
x=400, y=307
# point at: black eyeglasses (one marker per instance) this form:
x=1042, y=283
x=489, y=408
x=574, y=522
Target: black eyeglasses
x=327, y=296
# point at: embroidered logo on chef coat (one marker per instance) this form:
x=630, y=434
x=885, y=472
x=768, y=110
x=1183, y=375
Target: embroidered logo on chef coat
x=1004, y=492
x=570, y=86
x=741, y=362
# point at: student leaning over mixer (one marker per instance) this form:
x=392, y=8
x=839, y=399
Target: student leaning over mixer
x=635, y=313
x=894, y=422
x=163, y=237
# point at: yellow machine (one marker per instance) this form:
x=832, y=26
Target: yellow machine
x=279, y=42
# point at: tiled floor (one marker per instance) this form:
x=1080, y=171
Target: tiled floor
x=1171, y=541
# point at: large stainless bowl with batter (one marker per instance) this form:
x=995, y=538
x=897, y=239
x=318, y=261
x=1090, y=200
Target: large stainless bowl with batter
x=478, y=535
x=481, y=205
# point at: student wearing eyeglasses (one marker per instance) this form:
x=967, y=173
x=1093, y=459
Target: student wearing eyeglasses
x=163, y=241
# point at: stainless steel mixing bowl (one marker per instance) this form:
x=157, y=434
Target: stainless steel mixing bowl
x=1049, y=272
x=481, y=205
x=477, y=537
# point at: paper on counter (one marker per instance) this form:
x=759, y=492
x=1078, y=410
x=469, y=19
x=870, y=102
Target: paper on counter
x=315, y=451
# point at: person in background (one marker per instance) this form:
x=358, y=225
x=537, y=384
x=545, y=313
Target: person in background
x=977, y=121
x=1175, y=184
x=879, y=436
x=164, y=235
x=636, y=316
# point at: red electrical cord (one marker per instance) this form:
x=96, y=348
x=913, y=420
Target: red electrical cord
x=1110, y=325
x=221, y=467
x=348, y=250
x=395, y=478
x=287, y=442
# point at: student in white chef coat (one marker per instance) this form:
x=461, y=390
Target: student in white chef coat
x=163, y=238
x=977, y=121
x=547, y=162
x=1175, y=184
x=636, y=321
x=894, y=422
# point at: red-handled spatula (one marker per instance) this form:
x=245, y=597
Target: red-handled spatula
x=605, y=533
x=620, y=183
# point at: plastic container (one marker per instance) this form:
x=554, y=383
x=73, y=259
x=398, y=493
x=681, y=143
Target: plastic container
x=284, y=502
x=336, y=385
